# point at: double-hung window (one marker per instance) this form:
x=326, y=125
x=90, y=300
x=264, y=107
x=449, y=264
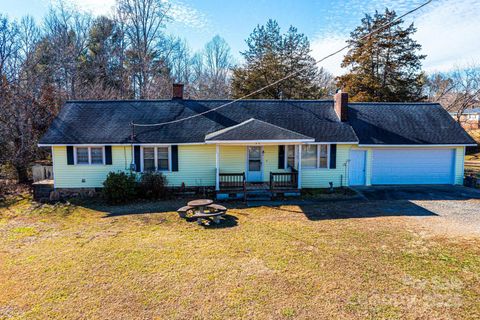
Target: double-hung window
x=309, y=156
x=315, y=156
x=156, y=159
x=323, y=155
x=96, y=155
x=162, y=159
x=148, y=159
x=291, y=156
x=89, y=155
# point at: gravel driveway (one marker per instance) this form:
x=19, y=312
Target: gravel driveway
x=447, y=210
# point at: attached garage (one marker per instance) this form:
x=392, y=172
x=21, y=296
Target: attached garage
x=413, y=166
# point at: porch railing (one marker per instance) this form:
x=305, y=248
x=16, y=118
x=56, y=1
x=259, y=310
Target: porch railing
x=234, y=181
x=283, y=180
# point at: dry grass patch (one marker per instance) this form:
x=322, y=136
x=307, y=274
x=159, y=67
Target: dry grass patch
x=70, y=261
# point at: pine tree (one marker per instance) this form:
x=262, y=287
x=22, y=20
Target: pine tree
x=385, y=66
x=270, y=57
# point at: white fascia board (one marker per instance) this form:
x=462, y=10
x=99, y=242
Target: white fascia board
x=415, y=145
x=356, y=142
x=258, y=141
x=82, y=144
x=116, y=144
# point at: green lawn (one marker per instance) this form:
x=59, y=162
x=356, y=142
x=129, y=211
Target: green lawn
x=72, y=262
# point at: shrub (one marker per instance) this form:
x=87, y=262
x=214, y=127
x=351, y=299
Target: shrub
x=152, y=186
x=119, y=187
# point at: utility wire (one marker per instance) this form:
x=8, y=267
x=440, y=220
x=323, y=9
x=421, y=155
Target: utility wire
x=284, y=78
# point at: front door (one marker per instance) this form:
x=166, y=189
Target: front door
x=254, y=164
x=357, y=167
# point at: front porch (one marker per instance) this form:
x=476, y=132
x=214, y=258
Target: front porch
x=234, y=185
x=256, y=171
x=256, y=158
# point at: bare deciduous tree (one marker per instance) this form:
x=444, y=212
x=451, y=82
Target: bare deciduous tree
x=67, y=35
x=456, y=91
x=144, y=21
x=211, y=70
x=73, y=56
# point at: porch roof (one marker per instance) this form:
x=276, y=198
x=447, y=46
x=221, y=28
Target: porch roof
x=256, y=130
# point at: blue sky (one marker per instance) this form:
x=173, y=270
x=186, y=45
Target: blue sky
x=447, y=29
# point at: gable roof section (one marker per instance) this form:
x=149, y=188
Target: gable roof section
x=405, y=124
x=108, y=122
x=256, y=130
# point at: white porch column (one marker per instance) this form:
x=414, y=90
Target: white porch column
x=217, y=167
x=300, y=166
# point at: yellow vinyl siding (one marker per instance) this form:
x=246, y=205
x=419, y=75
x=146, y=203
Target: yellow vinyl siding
x=70, y=176
x=320, y=177
x=233, y=159
x=459, y=164
x=196, y=166
x=270, y=161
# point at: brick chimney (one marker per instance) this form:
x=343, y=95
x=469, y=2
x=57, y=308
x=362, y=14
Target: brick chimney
x=177, y=92
x=341, y=104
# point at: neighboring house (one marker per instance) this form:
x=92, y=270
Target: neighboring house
x=284, y=144
x=469, y=119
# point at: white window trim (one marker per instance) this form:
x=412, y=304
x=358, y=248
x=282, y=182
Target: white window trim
x=155, y=147
x=295, y=155
x=317, y=167
x=89, y=156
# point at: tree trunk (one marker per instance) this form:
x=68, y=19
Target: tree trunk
x=22, y=174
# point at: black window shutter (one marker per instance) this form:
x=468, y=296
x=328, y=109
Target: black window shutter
x=281, y=157
x=333, y=156
x=70, y=160
x=136, y=157
x=174, y=158
x=108, y=155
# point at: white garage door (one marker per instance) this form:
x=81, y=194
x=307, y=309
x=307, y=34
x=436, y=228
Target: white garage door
x=413, y=166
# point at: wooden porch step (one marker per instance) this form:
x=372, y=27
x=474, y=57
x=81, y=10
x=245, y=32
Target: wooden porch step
x=259, y=195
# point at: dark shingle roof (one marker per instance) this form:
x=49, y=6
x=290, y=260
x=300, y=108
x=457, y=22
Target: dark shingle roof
x=108, y=122
x=83, y=122
x=405, y=123
x=254, y=129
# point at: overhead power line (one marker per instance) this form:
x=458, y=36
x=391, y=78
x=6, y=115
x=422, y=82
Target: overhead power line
x=286, y=77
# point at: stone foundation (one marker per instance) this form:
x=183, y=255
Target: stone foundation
x=65, y=193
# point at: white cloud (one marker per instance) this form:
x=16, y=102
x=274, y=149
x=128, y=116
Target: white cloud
x=187, y=15
x=449, y=34
x=323, y=46
x=180, y=12
x=95, y=7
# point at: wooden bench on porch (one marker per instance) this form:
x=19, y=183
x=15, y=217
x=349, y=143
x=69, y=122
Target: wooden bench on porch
x=284, y=181
x=279, y=182
x=233, y=182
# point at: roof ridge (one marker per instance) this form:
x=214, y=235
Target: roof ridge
x=224, y=130
x=396, y=103
x=274, y=125
x=216, y=133
x=197, y=100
